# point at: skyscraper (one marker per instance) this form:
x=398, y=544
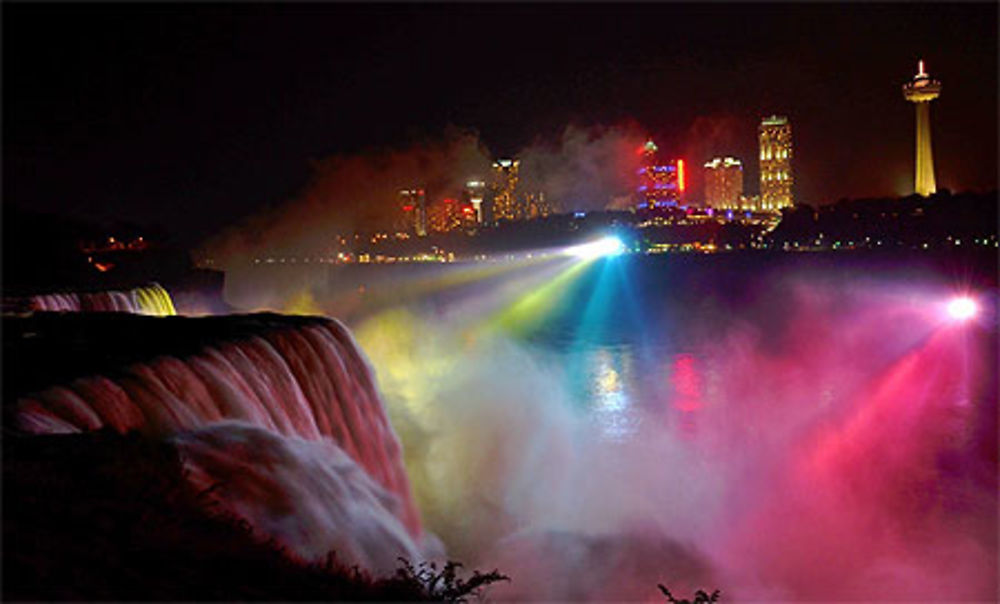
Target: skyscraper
x=536, y=206
x=775, y=135
x=723, y=183
x=474, y=193
x=448, y=215
x=413, y=204
x=921, y=91
x=505, y=204
x=659, y=185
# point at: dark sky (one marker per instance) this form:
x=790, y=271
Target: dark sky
x=194, y=115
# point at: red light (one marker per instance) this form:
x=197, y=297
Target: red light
x=680, y=174
x=687, y=383
x=407, y=208
x=449, y=201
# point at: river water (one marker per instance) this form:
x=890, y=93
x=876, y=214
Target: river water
x=788, y=427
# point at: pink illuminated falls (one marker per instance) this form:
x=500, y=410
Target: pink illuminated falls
x=281, y=414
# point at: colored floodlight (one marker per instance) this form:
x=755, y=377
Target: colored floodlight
x=606, y=246
x=962, y=308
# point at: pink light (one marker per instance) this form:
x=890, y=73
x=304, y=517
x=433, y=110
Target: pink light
x=962, y=308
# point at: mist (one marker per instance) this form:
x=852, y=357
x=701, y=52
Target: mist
x=832, y=439
x=797, y=474
x=585, y=168
x=349, y=193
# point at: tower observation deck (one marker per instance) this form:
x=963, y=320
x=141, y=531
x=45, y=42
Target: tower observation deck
x=921, y=90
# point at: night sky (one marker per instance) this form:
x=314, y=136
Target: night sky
x=194, y=116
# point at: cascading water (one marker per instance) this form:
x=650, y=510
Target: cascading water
x=281, y=415
x=151, y=299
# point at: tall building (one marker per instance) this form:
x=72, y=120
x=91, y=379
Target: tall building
x=775, y=134
x=404, y=221
x=724, y=183
x=413, y=204
x=505, y=206
x=921, y=91
x=448, y=215
x=536, y=206
x=474, y=194
x=659, y=185
x=468, y=218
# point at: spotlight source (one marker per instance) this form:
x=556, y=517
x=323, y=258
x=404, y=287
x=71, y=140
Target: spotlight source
x=962, y=308
x=606, y=246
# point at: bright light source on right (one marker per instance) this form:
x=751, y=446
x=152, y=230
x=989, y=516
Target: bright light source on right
x=962, y=308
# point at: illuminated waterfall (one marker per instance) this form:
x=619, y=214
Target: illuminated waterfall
x=285, y=417
x=152, y=299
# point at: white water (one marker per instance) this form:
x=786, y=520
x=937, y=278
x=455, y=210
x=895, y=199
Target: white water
x=148, y=300
x=287, y=423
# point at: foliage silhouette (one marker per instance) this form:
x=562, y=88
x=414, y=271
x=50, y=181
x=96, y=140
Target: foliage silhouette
x=700, y=596
x=445, y=585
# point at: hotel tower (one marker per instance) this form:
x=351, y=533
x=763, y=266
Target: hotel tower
x=775, y=134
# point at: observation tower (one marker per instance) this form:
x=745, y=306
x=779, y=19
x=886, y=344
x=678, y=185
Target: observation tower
x=921, y=91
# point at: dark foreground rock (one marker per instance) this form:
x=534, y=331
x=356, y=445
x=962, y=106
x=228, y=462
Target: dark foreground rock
x=104, y=516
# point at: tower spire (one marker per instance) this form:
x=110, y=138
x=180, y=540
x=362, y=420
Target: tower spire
x=921, y=91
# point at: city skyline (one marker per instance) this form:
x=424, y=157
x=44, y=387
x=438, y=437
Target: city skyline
x=158, y=113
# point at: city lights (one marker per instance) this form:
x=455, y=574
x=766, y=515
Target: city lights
x=775, y=136
x=723, y=183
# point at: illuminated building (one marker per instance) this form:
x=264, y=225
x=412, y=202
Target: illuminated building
x=775, y=135
x=413, y=205
x=659, y=185
x=921, y=91
x=448, y=215
x=751, y=203
x=505, y=206
x=724, y=183
x=473, y=194
x=468, y=217
x=535, y=206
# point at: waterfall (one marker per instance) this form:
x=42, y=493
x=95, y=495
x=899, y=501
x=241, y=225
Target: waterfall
x=151, y=299
x=283, y=412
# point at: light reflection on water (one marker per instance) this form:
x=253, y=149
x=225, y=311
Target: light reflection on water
x=622, y=390
x=611, y=400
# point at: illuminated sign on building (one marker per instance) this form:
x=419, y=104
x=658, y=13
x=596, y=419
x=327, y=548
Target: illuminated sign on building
x=659, y=185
